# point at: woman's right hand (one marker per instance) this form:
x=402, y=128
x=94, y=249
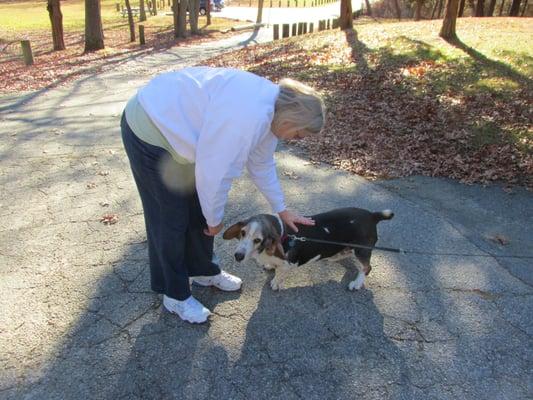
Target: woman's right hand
x=213, y=230
x=291, y=219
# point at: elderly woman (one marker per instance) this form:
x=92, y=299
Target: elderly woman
x=187, y=135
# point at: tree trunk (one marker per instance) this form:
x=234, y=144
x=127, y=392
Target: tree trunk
x=461, y=7
x=130, y=21
x=492, y=6
x=480, y=7
x=94, y=34
x=524, y=8
x=194, y=11
x=450, y=17
x=472, y=5
x=182, y=17
x=501, y=8
x=56, y=19
x=345, y=20
x=208, y=12
x=142, y=11
x=441, y=3
x=259, y=18
x=154, y=7
x=368, y=8
x=418, y=12
x=515, y=8
x=397, y=8
x=434, y=9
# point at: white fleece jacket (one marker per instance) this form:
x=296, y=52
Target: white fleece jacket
x=219, y=119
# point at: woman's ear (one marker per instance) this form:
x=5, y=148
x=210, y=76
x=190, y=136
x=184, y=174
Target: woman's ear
x=233, y=231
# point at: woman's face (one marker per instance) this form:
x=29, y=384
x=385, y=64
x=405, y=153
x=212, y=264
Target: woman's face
x=287, y=132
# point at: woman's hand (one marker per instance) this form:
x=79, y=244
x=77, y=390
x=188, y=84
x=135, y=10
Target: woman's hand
x=291, y=219
x=213, y=230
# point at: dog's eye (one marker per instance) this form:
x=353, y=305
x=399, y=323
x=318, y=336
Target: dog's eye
x=257, y=241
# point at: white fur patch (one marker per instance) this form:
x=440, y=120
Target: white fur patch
x=386, y=213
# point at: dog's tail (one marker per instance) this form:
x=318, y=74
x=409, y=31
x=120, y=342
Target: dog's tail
x=381, y=215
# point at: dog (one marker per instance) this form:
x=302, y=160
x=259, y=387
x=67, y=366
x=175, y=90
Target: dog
x=264, y=237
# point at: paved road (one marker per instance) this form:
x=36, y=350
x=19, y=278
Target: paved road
x=78, y=321
x=287, y=15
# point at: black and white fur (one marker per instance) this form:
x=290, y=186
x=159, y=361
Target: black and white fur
x=263, y=237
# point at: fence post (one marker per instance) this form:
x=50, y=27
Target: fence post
x=294, y=29
x=305, y=28
x=26, y=52
x=118, y=6
x=286, y=30
x=141, y=35
x=328, y=24
x=276, y=32
x=311, y=27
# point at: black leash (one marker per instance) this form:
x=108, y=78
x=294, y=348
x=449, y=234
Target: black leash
x=399, y=250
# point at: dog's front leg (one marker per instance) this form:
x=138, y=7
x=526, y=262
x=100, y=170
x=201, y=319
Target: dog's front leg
x=359, y=281
x=281, y=271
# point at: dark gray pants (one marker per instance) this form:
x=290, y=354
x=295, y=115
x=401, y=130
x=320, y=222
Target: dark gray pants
x=177, y=246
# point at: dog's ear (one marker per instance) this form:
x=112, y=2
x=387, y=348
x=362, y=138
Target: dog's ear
x=274, y=248
x=233, y=231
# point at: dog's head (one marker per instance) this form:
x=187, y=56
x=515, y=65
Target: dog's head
x=258, y=234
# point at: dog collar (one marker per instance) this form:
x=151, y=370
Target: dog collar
x=282, y=231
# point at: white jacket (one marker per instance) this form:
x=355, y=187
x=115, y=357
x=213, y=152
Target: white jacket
x=219, y=119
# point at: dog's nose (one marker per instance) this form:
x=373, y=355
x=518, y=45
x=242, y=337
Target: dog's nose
x=239, y=256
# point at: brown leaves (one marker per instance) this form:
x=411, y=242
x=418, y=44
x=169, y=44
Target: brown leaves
x=399, y=114
x=109, y=219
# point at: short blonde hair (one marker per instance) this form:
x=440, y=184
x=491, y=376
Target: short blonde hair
x=299, y=106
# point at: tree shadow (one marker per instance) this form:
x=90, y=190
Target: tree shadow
x=497, y=67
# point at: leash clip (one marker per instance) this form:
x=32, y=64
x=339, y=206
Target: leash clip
x=297, y=238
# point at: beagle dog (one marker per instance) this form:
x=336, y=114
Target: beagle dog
x=265, y=238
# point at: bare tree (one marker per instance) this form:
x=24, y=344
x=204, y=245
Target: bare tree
x=492, y=6
x=515, y=8
x=259, y=18
x=368, y=8
x=179, y=8
x=130, y=21
x=94, y=34
x=194, y=11
x=142, y=11
x=345, y=20
x=461, y=8
x=501, y=8
x=480, y=7
x=418, y=10
x=524, y=8
x=450, y=17
x=56, y=19
x=441, y=3
x=397, y=9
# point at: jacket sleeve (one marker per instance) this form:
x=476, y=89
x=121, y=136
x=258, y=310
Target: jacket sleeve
x=262, y=170
x=221, y=153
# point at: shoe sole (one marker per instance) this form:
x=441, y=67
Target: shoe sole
x=214, y=285
x=187, y=320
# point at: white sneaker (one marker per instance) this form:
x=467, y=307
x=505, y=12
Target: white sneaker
x=223, y=281
x=190, y=310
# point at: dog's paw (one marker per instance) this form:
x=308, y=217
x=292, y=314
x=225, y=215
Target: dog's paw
x=356, y=284
x=276, y=284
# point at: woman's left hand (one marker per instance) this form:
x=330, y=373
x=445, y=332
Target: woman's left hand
x=291, y=219
x=213, y=230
